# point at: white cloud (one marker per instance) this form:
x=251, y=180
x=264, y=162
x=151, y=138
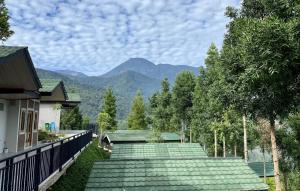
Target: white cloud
x=95, y=36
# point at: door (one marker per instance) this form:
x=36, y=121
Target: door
x=29, y=128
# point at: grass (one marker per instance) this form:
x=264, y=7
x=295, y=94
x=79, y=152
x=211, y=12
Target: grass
x=77, y=175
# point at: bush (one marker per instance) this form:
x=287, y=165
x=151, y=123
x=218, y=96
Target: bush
x=77, y=175
x=46, y=136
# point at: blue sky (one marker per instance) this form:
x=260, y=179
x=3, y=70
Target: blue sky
x=93, y=36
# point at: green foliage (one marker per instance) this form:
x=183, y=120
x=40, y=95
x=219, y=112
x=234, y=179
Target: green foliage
x=137, y=116
x=5, y=31
x=271, y=183
x=161, y=108
x=85, y=121
x=71, y=119
x=47, y=136
x=182, y=95
x=78, y=173
x=109, y=106
x=103, y=122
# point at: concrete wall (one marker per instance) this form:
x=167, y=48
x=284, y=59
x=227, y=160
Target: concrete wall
x=49, y=112
x=13, y=108
x=3, y=121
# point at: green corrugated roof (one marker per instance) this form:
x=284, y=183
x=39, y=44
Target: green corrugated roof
x=139, y=135
x=49, y=84
x=8, y=50
x=258, y=167
x=74, y=97
x=157, y=150
x=176, y=175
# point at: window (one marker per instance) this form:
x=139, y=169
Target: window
x=28, y=133
x=22, y=120
x=36, y=121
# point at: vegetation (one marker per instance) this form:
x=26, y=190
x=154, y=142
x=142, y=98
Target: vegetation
x=137, y=116
x=85, y=121
x=161, y=109
x=71, y=119
x=103, y=122
x=182, y=95
x=46, y=136
x=78, y=173
x=5, y=31
x=110, y=108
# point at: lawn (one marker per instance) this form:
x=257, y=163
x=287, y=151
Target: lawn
x=77, y=175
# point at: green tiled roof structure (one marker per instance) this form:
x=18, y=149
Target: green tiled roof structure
x=74, y=97
x=258, y=167
x=8, y=50
x=139, y=136
x=203, y=174
x=157, y=150
x=49, y=84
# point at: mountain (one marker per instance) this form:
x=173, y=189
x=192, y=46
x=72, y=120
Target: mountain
x=149, y=69
x=134, y=74
x=71, y=73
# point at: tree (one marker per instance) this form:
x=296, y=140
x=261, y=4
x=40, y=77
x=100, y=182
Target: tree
x=137, y=116
x=85, y=121
x=161, y=107
x=267, y=69
x=182, y=98
x=109, y=106
x=5, y=31
x=200, y=117
x=71, y=119
x=103, y=122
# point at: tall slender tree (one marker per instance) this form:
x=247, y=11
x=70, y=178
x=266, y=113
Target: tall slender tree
x=137, y=116
x=161, y=107
x=5, y=31
x=182, y=97
x=109, y=106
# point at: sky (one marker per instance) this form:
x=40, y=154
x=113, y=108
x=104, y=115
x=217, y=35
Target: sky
x=94, y=36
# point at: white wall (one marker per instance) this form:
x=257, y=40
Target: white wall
x=3, y=121
x=13, y=108
x=49, y=112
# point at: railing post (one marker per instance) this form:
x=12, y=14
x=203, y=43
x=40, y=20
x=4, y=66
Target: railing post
x=8, y=174
x=51, y=167
x=37, y=167
x=60, y=155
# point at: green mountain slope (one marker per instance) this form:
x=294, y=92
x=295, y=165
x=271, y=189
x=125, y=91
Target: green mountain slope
x=91, y=89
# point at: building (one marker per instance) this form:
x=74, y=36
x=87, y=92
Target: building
x=53, y=95
x=141, y=136
x=157, y=151
x=170, y=166
x=19, y=99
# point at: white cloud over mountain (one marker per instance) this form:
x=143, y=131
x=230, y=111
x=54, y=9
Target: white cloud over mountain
x=95, y=36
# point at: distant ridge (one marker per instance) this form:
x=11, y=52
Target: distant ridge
x=71, y=73
x=149, y=69
x=130, y=76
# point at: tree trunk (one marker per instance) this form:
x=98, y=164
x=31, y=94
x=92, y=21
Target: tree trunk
x=224, y=147
x=275, y=154
x=245, y=138
x=216, y=150
x=285, y=178
x=191, y=134
x=265, y=179
x=235, y=155
x=181, y=136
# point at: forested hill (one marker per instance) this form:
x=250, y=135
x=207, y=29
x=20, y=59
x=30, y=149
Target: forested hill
x=149, y=69
x=125, y=80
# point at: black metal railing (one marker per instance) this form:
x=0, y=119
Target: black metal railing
x=27, y=170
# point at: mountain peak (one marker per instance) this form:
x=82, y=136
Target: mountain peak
x=137, y=61
x=149, y=69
